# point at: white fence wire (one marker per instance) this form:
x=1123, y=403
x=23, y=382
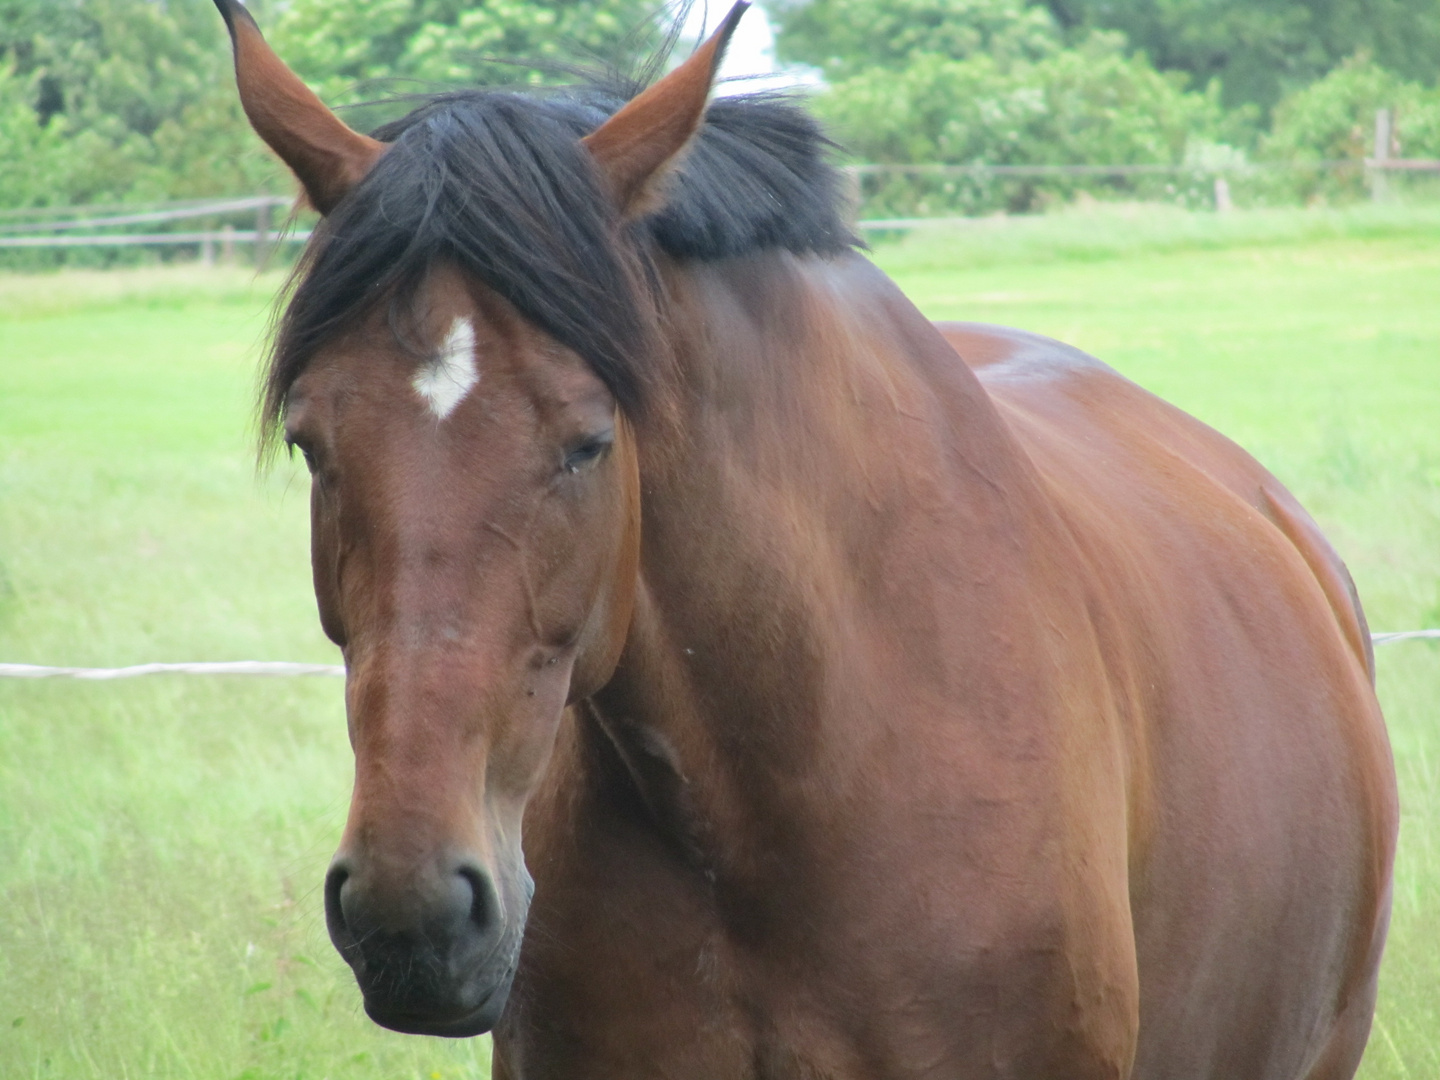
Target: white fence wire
x=227, y=667
x=284, y=668
x=19, y=229
x=16, y=232
x=1403, y=635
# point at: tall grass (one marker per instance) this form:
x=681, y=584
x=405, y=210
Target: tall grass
x=162, y=841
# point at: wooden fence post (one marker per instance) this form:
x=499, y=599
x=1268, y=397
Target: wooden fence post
x=1223, y=202
x=1379, y=180
x=262, y=235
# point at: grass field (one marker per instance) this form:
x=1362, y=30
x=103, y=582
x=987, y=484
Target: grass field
x=162, y=841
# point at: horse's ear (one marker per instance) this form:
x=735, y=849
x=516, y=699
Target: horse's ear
x=325, y=155
x=634, y=147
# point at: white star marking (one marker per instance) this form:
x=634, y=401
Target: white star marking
x=444, y=380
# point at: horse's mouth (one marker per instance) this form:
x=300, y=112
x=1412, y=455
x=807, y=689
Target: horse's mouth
x=460, y=1025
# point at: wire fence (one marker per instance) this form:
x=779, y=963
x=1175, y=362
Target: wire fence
x=274, y=668
x=1403, y=635
x=1387, y=164
x=910, y=196
x=62, y=229
x=926, y=195
x=112, y=226
x=895, y=196
x=270, y=668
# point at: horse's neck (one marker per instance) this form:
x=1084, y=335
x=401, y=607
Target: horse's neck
x=827, y=445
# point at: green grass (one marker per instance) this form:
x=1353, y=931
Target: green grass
x=162, y=840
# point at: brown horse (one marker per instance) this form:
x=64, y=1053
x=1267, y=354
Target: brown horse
x=868, y=713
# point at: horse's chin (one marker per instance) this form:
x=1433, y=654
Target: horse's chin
x=477, y=1021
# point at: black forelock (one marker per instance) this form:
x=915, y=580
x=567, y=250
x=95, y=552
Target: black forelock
x=498, y=183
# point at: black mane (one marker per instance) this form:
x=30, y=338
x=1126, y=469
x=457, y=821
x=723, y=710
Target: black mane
x=498, y=183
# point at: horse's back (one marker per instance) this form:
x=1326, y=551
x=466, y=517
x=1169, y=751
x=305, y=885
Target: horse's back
x=1053, y=394
x=1262, y=805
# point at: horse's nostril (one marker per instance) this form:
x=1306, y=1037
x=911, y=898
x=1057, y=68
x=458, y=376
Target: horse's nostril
x=335, y=880
x=484, y=903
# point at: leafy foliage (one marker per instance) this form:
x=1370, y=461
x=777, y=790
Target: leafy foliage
x=844, y=38
x=1089, y=105
x=24, y=138
x=128, y=100
x=986, y=82
x=1330, y=118
x=342, y=46
x=110, y=100
x=1260, y=49
x=122, y=100
x=1333, y=118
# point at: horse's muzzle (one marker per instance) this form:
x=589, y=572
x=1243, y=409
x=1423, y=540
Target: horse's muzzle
x=436, y=957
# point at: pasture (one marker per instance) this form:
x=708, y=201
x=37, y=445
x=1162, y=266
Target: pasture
x=162, y=841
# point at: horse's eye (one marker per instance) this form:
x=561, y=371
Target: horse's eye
x=305, y=452
x=588, y=453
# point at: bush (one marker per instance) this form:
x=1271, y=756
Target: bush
x=844, y=38
x=37, y=154
x=120, y=100
x=346, y=47
x=1261, y=49
x=134, y=100
x=1333, y=120
x=1090, y=105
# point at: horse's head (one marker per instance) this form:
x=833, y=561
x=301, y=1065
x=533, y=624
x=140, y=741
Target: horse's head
x=475, y=536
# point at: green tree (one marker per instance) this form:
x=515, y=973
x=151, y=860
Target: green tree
x=343, y=46
x=1262, y=49
x=1091, y=105
x=1333, y=120
x=123, y=99
x=35, y=153
x=105, y=100
x=985, y=82
x=846, y=37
